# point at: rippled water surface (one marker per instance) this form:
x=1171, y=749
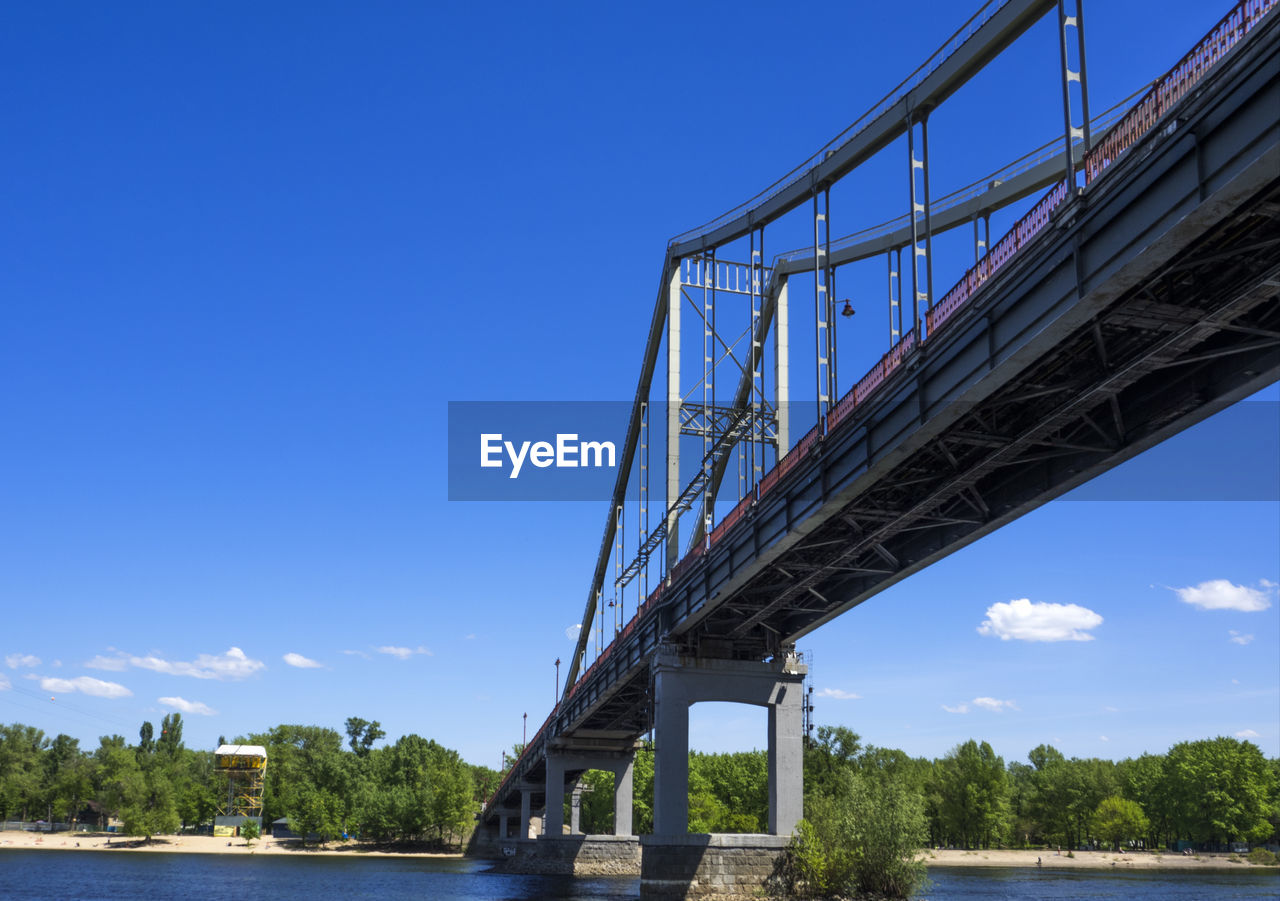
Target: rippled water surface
x=83, y=876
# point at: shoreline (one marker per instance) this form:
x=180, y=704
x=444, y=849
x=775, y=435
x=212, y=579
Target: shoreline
x=270, y=846
x=1091, y=860
x=200, y=844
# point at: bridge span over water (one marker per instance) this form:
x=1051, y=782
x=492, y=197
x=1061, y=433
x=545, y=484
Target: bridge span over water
x=1138, y=296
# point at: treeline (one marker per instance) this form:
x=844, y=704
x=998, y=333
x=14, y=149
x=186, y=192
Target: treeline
x=1210, y=792
x=413, y=790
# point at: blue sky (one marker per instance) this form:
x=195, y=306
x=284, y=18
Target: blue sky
x=252, y=253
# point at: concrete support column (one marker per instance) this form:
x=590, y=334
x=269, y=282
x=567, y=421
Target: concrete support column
x=623, y=796
x=526, y=811
x=670, y=753
x=553, y=824
x=575, y=810
x=504, y=825
x=682, y=681
x=786, y=759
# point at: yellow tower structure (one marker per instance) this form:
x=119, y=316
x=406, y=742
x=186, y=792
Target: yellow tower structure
x=245, y=768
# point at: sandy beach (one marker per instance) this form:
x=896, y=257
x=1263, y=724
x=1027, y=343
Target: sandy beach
x=206, y=844
x=194, y=844
x=1088, y=860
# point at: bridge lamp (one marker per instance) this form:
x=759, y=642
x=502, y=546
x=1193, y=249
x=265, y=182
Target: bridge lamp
x=848, y=310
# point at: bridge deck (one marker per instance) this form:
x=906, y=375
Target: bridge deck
x=1130, y=312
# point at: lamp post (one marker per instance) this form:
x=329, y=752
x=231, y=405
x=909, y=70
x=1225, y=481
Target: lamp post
x=524, y=734
x=555, y=699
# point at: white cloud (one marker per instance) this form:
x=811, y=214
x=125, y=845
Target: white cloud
x=17, y=661
x=301, y=662
x=1040, y=621
x=839, y=694
x=356, y=654
x=994, y=705
x=1238, y=638
x=113, y=664
x=1246, y=733
x=86, y=685
x=5, y=684
x=1220, y=594
x=1111, y=709
x=959, y=708
x=234, y=664
x=188, y=706
x=573, y=631
x=402, y=653
x=1103, y=738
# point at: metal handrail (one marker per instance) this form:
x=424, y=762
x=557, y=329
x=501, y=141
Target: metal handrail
x=927, y=68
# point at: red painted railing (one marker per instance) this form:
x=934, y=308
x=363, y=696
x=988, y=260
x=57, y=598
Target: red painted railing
x=1229, y=31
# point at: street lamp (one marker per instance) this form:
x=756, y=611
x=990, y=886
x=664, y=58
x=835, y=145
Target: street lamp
x=848, y=310
x=524, y=734
x=556, y=698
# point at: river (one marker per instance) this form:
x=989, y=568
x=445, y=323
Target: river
x=98, y=876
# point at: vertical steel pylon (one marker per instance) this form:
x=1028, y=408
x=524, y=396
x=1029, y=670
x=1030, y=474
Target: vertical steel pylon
x=675, y=297
x=643, y=535
x=708, y=390
x=1073, y=22
x=618, y=545
x=823, y=303
x=981, y=236
x=757, y=359
x=920, y=211
x=895, y=297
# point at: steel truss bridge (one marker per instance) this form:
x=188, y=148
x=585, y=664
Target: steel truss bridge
x=1137, y=297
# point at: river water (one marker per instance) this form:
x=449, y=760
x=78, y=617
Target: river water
x=98, y=876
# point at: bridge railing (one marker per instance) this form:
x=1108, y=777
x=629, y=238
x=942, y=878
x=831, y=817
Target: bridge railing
x=1230, y=31
x=1137, y=123
x=927, y=68
x=1023, y=164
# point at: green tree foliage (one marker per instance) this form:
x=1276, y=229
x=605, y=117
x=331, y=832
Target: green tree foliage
x=250, y=831
x=362, y=734
x=729, y=792
x=425, y=792
x=21, y=773
x=1119, y=820
x=1220, y=790
x=306, y=779
x=974, y=791
x=170, y=741
x=860, y=836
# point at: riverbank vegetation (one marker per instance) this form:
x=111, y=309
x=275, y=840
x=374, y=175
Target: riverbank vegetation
x=414, y=790
x=1208, y=793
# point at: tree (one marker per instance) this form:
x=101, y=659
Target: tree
x=1118, y=819
x=362, y=734
x=1220, y=790
x=861, y=837
x=824, y=760
x=170, y=740
x=975, y=794
x=20, y=768
x=146, y=744
x=66, y=777
x=250, y=831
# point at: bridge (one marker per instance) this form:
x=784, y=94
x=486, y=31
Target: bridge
x=1137, y=297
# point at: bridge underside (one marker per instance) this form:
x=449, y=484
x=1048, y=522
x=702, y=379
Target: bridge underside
x=1150, y=305
x=1149, y=302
